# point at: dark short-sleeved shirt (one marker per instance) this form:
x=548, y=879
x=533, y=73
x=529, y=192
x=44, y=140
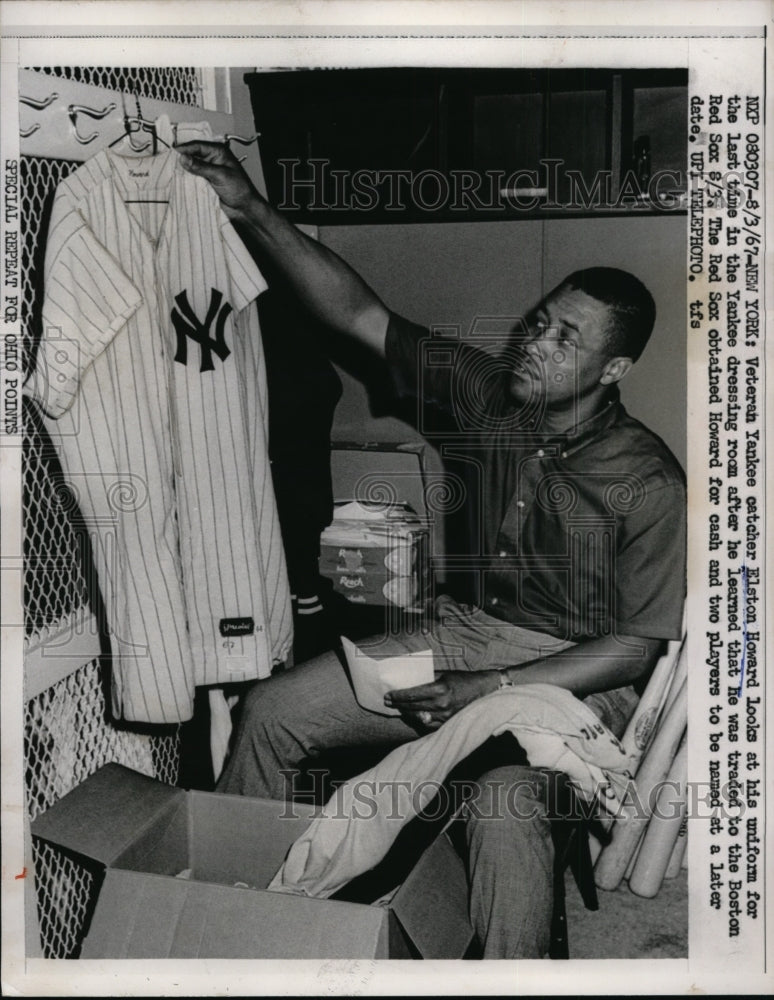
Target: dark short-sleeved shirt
x=582, y=534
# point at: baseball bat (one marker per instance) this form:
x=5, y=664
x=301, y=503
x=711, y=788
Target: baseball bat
x=673, y=687
x=680, y=674
x=642, y=725
x=678, y=851
x=644, y=719
x=663, y=829
x=633, y=858
x=633, y=817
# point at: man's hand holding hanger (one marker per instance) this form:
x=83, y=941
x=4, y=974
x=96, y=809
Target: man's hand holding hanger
x=217, y=164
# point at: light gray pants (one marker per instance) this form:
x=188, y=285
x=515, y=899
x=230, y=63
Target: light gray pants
x=302, y=712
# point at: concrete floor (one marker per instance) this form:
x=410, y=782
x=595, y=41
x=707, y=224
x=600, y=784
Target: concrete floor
x=628, y=926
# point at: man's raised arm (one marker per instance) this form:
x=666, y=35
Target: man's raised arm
x=322, y=281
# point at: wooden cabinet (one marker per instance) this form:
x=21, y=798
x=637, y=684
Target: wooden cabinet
x=380, y=145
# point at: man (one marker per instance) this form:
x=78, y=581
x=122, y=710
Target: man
x=582, y=545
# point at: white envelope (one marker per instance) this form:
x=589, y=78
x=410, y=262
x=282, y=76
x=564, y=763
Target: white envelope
x=372, y=679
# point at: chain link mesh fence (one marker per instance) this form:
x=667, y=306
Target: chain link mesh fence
x=54, y=573
x=68, y=736
x=68, y=730
x=177, y=84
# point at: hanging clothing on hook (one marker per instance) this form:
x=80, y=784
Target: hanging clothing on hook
x=171, y=133
x=152, y=377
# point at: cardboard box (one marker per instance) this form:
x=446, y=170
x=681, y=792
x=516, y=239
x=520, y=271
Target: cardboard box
x=380, y=559
x=383, y=558
x=146, y=833
x=373, y=588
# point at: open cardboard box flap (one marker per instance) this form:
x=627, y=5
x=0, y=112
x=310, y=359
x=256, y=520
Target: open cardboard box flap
x=104, y=815
x=432, y=904
x=146, y=833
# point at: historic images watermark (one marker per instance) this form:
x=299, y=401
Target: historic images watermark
x=316, y=185
x=524, y=798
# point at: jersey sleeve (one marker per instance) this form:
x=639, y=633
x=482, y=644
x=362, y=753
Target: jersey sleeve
x=651, y=566
x=88, y=299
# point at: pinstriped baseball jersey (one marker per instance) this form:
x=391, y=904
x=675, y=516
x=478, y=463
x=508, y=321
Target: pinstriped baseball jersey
x=152, y=375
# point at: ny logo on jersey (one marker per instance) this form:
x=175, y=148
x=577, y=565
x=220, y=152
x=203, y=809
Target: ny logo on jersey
x=187, y=324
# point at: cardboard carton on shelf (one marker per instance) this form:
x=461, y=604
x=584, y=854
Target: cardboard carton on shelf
x=186, y=875
x=375, y=554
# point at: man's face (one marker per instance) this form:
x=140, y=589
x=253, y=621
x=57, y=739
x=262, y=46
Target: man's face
x=565, y=353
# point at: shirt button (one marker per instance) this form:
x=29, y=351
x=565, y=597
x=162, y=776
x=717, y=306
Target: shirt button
x=519, y=503
x=540, y=453
x=493, y=600
x=564, y=454
x=503, y=554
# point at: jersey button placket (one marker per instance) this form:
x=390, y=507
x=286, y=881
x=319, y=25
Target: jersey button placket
x=162, y=305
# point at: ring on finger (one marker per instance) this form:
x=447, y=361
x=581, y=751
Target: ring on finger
x=425, y=718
